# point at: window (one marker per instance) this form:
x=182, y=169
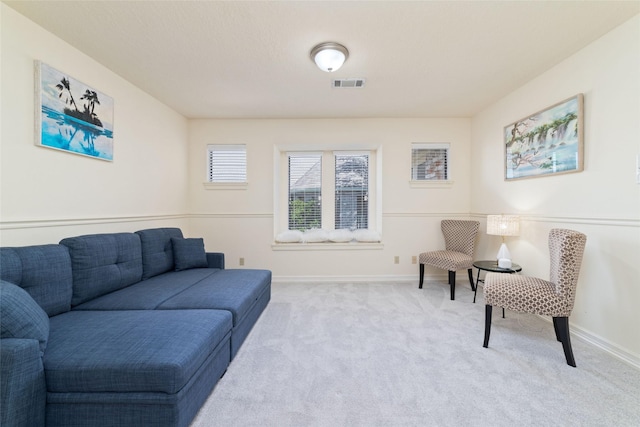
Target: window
x=330, y=190
x=227, y=163
x=430, y=162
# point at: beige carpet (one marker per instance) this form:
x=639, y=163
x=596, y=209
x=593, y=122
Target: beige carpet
x=395, y=355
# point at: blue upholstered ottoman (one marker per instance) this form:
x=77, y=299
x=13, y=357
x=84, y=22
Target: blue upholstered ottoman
x=146, y=367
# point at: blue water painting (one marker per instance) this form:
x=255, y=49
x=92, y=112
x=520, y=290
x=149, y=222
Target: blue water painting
x=547, y=142
x=68, y=133
x=73, y=116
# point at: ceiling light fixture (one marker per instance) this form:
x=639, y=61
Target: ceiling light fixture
x=329, y=56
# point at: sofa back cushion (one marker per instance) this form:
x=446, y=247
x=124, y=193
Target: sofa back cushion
x=44, y=271
x=189, y=253
x=103, y=263
x=21, y=316
x=157, y=250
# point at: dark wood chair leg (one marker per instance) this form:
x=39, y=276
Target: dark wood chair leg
x=563, y=331
x=473, y=285
x=475, y=291
x=487, y=324
x=452, y=284
x=421, y=275
x=555, y=328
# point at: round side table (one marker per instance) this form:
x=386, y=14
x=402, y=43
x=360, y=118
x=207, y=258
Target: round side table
x=492, y=266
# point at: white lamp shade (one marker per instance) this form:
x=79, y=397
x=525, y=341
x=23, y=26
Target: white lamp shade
x=503, y=225
x=329, y=56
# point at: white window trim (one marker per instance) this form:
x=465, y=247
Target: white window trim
x=227, y=185
x=431, y=184
x=327, y=246
x=280, y=187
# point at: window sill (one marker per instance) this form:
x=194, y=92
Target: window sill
x=431, y=184
x=225, y=185
x=328, y=246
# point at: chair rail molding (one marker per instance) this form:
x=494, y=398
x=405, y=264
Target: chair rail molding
x=617, y=222
x=65, y=222
x=245, y=215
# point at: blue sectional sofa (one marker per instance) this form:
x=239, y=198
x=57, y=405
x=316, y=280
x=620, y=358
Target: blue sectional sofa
x=121, y=329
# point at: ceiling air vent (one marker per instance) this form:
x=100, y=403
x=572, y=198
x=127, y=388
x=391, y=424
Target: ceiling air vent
x=348, y=83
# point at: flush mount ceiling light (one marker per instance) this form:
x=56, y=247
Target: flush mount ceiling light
x=329, y=56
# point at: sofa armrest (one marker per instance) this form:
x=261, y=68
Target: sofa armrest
x=23, y=394
x=215, y=260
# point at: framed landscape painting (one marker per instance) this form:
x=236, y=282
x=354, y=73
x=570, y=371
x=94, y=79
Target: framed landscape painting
x=72, y=116
x=549, y=142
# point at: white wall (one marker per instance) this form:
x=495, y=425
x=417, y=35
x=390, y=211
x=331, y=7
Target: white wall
x=603, y=201
x=48, y=194
x=241, y=223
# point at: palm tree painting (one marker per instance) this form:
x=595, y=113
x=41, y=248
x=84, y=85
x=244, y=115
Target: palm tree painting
x=72, y=116
x=546, y=143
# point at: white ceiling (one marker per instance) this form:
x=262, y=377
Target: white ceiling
x=227, y=59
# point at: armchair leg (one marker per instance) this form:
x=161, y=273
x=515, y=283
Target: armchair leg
x=452, y=284
x=555, y=328
x=421, y=276
x=562, y=330
x=487, y=324
x=473, y=285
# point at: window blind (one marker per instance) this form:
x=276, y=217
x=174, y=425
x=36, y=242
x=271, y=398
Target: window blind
x=227, y=163
x=305, y=189
x=429, y=161
x=352, y=191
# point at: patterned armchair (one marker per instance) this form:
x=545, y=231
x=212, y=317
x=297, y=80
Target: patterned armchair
x=548, y=298
x=460, y=242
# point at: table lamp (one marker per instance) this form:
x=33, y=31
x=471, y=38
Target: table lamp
x=503, y=225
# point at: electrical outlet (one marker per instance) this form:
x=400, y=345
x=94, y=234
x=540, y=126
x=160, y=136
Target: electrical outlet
x=241, y=261
x=396, y=259
x=414, y=259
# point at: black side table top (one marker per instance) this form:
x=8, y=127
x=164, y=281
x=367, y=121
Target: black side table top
x=492, y=265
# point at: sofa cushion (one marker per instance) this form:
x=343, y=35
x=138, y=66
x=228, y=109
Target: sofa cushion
x=233, y=290
x=21, y=316
x=44, y=271
x=103, y=263
x=188, y=253
x=131, y=351
x=148, y=294
x=157, y=250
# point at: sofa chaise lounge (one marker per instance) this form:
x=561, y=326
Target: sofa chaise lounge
x=120, y=329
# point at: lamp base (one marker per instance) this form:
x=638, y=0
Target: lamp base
x=504, y=257
x=503, y=252
x=504, y=263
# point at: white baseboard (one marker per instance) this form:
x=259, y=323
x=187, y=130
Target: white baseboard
x=351, y=279
x=622, y=354
x=601, y=343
